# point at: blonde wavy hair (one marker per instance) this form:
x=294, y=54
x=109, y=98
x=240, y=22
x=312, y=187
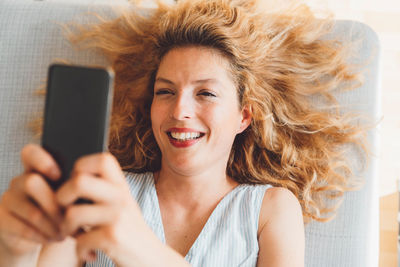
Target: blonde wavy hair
x=280, y=59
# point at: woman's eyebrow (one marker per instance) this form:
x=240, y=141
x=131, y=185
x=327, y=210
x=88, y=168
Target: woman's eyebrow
x=161, y=79
x=206, y=81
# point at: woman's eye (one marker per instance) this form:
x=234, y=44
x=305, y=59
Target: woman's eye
x=162, y=92
x=207, y=93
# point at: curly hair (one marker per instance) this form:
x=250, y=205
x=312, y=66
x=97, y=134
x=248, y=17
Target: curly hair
x=279, y=59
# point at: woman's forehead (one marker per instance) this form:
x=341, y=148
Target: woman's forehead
x=197, y=64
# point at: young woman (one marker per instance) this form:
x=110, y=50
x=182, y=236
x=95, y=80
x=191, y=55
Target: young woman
x=224, y=156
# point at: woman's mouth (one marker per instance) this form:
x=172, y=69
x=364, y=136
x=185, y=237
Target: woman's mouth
x=184, y=138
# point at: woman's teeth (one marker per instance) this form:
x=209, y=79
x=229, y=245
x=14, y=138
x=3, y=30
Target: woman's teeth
x=185, y=136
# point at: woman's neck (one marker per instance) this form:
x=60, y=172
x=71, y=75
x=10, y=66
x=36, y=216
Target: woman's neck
x=190, y=191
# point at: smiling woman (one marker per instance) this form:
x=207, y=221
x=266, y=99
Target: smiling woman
x=199, y=98
x=289, y=142
x=224, y=155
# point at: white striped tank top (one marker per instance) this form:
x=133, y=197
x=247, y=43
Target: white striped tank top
x=229, y=237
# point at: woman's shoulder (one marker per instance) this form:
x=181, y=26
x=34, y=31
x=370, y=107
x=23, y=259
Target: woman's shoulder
x=281, y=196
x=279, y=205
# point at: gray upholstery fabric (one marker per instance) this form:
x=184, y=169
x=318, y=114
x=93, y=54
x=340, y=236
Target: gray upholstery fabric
x=30, y=40
x=352, y=238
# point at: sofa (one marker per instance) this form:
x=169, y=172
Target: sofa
x=31, y=39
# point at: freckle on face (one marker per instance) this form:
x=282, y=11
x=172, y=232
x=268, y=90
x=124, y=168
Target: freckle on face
x=218, y=117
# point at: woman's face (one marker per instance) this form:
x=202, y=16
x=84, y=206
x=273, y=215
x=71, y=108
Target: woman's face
x=195, y=112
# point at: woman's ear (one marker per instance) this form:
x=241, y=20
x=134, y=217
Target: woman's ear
x=245, y=118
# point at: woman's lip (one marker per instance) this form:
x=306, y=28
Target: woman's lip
x=183, y=130
x=182, y=144
x=186, y=143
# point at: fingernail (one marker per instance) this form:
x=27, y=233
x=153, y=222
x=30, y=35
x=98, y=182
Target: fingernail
x=63, y=230
x=91, y=256
x=59, y=219
x=55, y=173
x=57, y=238
x=60, y=237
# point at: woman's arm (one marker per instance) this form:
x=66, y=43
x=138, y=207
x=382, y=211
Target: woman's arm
x=28, y=210
x=281, y=238
x=32, y=225
x=113, y=223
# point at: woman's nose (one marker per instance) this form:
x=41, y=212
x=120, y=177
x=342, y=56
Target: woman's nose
x=182, y=107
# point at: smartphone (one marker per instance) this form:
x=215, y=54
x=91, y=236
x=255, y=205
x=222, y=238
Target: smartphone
x=76, y=116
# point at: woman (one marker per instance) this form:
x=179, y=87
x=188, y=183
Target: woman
x=210, y=111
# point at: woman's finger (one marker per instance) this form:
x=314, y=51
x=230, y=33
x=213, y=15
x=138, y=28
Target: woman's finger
x=98, y=239
x=82, y=185
x=14, y=232
x=109, y=240
x=36, y=187
x=21, y=207
x=36, y=159
x=86, y=216
x=88, y=243
x=101, y=164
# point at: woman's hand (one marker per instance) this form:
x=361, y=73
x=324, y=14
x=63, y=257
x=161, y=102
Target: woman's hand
x=113, y=223
x=29, y=213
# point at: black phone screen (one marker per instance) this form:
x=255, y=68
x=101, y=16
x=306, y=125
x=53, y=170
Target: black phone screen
x=77, y=111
